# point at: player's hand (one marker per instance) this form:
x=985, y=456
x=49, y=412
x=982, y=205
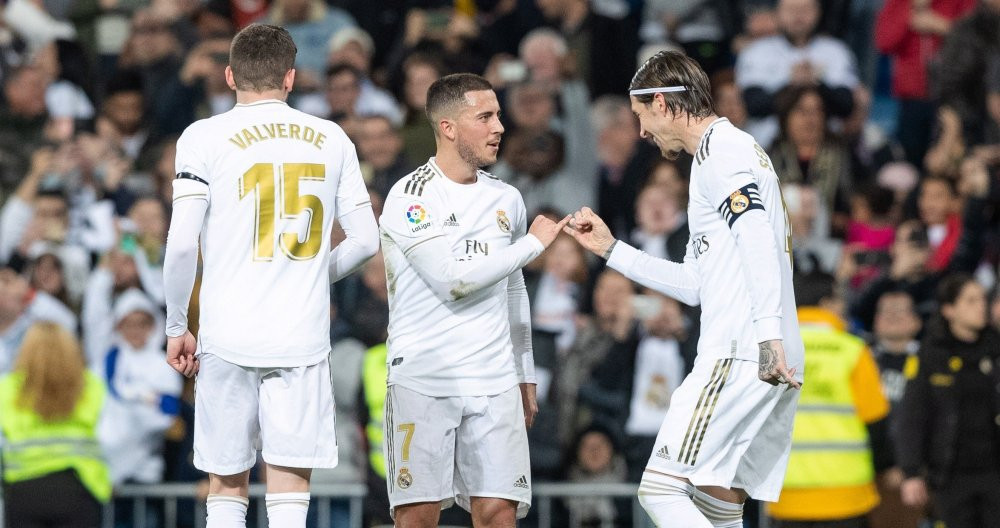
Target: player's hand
x=530, y=403
x=590, y=231
x=180, y=354
x=914, y=492
x=772, y=368
x=546, y=230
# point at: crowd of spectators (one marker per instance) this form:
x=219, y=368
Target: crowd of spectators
x=96, y=92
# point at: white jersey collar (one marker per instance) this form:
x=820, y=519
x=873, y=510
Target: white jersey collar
x=263, y=102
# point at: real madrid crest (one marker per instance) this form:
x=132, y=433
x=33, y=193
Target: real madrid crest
x=738, y=202
x=405, y=479
x=502, y=221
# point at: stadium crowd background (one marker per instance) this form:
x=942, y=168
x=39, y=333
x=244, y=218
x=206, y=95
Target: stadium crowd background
x=883, y=122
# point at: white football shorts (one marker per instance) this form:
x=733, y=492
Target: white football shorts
x=450, y=449
x=725, y=427
x=286, y=413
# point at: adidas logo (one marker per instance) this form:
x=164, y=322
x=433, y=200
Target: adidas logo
x=451, y=221
x=663, y=453
x=521, y=483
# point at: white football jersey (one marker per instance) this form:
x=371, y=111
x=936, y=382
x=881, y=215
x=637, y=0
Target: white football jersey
x=276, y=180
x=463, y=347
x=730, y=175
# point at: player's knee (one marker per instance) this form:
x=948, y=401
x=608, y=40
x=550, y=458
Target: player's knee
x=237, y=484
x=489, y=512
x=419, y=515
x=668, y=503
x=722, y=507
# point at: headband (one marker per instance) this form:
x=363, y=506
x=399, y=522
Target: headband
x=665, y=89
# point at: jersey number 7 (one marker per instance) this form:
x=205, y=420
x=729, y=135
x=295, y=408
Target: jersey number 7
x=260, y=181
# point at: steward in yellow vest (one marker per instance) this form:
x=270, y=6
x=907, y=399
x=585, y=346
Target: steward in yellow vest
x=831, y=475
x=49, y=409
x=374, y=372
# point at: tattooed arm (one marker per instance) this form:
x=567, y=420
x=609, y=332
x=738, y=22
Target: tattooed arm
x=772, y=368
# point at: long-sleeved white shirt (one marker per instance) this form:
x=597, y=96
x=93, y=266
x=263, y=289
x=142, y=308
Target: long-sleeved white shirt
x=459, y=322
x=738, y=262
x=257, y=191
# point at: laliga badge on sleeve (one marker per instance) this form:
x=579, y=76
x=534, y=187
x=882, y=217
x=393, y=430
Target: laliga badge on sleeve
x=417, y=217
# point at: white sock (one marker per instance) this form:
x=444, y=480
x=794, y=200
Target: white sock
x=720, y=513
x=668, y=503
x=287, y=510
x=226, y=511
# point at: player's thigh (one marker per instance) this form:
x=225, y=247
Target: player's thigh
x=492, y=451
x=226, y=427
x=297, y=417
x=712, y=414
x=761, y=471
x=419, y=446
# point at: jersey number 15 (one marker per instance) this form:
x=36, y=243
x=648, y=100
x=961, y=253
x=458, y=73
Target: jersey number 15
x=260, y=181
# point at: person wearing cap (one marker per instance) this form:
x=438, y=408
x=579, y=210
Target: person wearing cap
x=143, y=391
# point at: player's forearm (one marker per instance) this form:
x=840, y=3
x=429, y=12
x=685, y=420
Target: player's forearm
x=453, y=279
x=360, y=245
x=761, y=272
x=519, y=315
x=677, y=280
x=180, y=263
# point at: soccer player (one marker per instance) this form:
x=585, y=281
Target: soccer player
x=261, y=185
x=726, y=434
x=461, y=373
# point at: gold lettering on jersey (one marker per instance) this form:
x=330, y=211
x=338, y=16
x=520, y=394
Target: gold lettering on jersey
x=265, y=131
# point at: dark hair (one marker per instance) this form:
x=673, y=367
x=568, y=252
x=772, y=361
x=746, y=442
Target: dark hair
x=894, y=292
x=449, y=91
x=673, y=68
x=124, y=81
x=260, y=56
x=73, y=63
x=951, y=287
x=341, y=67
x=786, y=100
x=813, y=287
x=57, y=192
x=878, y=198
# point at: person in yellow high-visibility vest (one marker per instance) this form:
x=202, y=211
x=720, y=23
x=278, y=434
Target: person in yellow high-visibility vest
x=374, y=372
x=831, y=472
x=53, y=470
